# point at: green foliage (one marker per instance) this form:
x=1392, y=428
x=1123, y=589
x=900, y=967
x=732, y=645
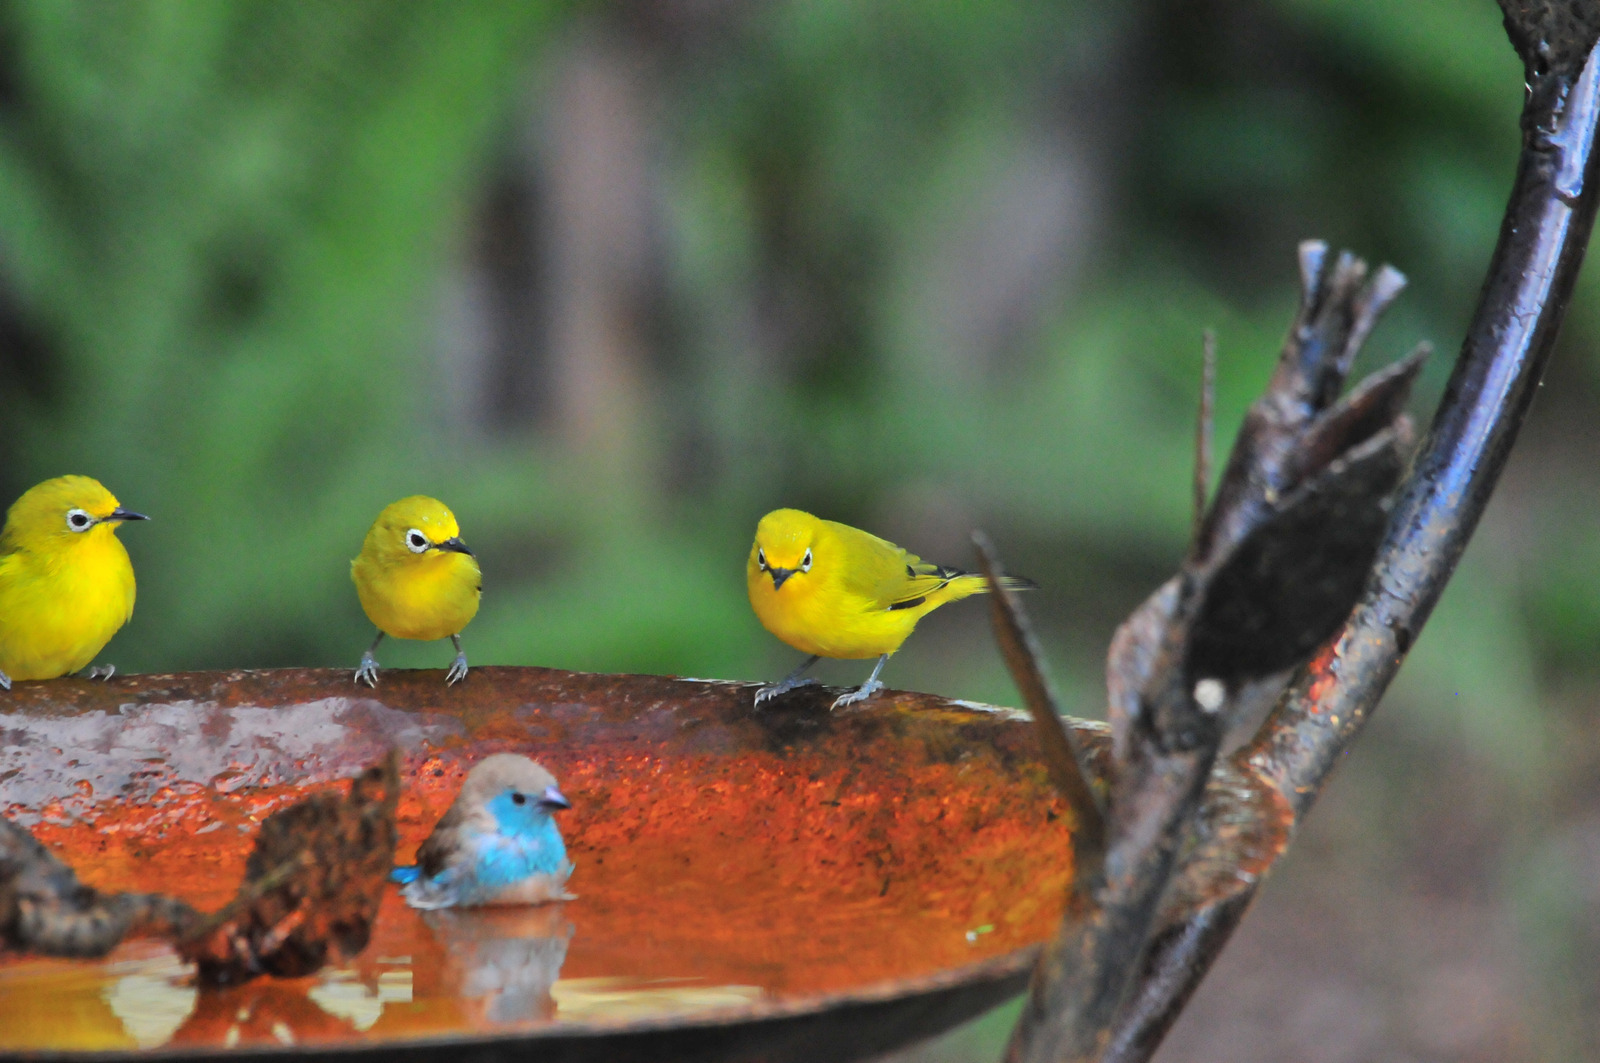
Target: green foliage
x=220, y=218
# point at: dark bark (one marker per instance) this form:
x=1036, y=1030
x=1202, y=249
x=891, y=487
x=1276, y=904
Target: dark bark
x=1536, y=261
x=1277, y=563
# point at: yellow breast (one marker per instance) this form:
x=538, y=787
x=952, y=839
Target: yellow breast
x=59, y=609
x=429, y=597
x=818, y=614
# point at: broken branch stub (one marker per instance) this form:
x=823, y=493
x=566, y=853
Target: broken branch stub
x=44, y=909
x=1543, y=236
x=1276, y=565
x=311, y=891
x=1284, y=549
x=312, y=885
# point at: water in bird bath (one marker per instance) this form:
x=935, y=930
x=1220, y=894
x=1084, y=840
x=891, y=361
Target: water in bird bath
x=705, y=882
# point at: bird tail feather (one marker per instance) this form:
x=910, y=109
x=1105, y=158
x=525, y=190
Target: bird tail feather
x=969, y=583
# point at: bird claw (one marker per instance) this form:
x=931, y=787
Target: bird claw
x=101, y=672
x=772, y=690
x=457, y=672
x=5, y=681
x=861, y=693
x=368, y=672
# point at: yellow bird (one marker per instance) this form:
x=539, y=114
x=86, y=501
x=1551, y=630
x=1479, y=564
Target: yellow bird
x=831, y=590
x=66, y=584
x=416, y=580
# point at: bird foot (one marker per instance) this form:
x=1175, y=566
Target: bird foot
x=101, y=671
x=860, y=693
x=457, y=672
x=5, y=681
x=368, y=672
x=772, y=690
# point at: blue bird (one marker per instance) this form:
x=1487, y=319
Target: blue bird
x=497, y=844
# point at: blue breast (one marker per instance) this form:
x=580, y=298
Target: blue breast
x=503, y=860
x=526, y=847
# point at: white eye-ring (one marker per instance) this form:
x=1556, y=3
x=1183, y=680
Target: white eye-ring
x=79, y=521
x=761, y=559
x=805, y=562
x=416, y=542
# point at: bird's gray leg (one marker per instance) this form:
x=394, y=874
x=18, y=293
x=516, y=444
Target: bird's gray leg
x=865, y=690
x=368, y=671
x=101, y=671
x=791, y=681
x=458, y=667
x=5, y=681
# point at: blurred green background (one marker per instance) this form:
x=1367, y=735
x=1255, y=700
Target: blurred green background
x=615, y=279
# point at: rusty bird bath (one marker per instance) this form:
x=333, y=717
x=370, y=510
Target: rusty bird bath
x=781, y=884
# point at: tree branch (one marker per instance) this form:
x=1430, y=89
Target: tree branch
x=1277, y=561
x=1519, y=313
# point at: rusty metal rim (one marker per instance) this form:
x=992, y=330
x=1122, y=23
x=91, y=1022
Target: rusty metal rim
x=982, y=985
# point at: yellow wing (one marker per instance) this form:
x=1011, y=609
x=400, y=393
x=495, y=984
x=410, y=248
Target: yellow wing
x=894, y=578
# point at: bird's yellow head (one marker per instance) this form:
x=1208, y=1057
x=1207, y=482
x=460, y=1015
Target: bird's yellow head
x=785, y=547
x=413, y=530
x=61, y=514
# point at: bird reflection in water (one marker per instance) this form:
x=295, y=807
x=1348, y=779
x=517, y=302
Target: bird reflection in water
x=479, y=969
x=503, y=962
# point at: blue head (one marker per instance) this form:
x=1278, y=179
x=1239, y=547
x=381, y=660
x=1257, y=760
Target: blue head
x=499, y=835
x=521, y=814
x=507, y=829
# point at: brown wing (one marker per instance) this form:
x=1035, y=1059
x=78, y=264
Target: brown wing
x=434, y=854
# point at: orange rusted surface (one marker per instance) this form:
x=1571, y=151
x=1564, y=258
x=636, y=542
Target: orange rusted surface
x=1324, y=675
x=723, y=856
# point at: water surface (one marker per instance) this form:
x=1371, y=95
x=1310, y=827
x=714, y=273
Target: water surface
x=704, y=884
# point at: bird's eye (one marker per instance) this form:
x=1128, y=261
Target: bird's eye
x=78, y=520
x=761, y=558
x=805, y=562
x=416, y=541
x=518, y=798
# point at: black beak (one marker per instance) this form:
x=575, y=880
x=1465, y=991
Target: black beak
x=779, y=575
x=123, y=514
x=554, y=799
x=455, y=545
